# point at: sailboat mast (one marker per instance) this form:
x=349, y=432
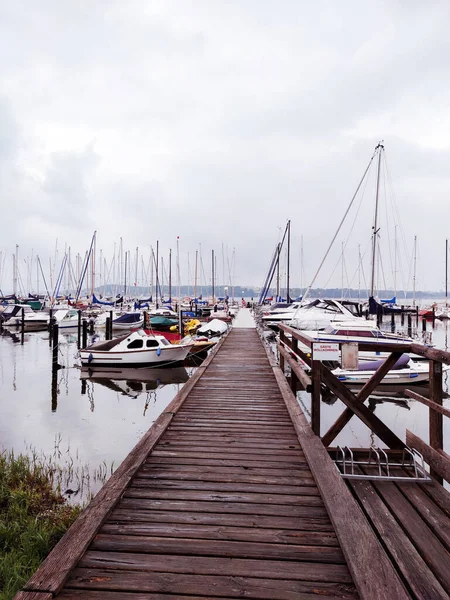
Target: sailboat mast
x=170, y=274
x=395, y=262
x=212, y=267
x=414, y=275
x=156, y=274
x=195, y=278
x=380, y=147
x=288, y=296
x=446, y=271
x=278, y=272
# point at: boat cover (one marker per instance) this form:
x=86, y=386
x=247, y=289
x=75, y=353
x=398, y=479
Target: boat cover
x=129, y=318
x=373, y=365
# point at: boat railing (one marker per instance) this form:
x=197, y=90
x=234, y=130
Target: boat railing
x=308, y=371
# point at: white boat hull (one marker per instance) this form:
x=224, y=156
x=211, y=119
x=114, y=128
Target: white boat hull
x=144, y=357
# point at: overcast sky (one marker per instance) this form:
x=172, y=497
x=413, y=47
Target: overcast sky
x=219, y=121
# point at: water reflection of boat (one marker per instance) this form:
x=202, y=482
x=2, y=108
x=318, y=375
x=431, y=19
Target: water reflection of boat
x=132, y=382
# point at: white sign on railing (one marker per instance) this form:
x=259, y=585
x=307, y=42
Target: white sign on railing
x=324, y=351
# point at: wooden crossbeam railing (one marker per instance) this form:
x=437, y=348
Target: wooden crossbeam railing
x=321, y=375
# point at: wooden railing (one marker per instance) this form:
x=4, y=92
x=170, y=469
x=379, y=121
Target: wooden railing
x=319, y=375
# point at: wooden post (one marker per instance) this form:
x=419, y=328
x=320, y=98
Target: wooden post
x=110, y=324
x=50, y=327
x=55, y=347
x=403, y=314
x=294, y=378
x=107, y=328
x=315, y=396
x=282, y=340
x=79, y=327
x=85, y=332
x=409, y=325
x=436, y=421
x=392, y=322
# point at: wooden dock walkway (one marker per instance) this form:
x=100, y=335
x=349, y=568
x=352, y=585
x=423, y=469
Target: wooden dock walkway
x=229, y=495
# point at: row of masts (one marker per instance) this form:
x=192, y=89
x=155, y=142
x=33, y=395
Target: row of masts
x=122, y=275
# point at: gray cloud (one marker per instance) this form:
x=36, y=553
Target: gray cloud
x=219, y=121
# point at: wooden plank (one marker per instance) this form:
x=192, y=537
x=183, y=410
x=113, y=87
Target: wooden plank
x=217, y=496
x=420, y=579
x=430, y=403
x=229, y=442
x=220, y=486
x=54, y=570
x=244, y=463
x=244, y=508
x=306, y=523
x=293, y=458
x=438, y=495
x=219, y=532
x=187, y=583
x=430, y=512
x=438, y=461
x=362, y=396
x=220, y=548
x=109, y=595
x=162, y=465
x=229, y=474
x=372, y=572
x=33, y=596
x=430, y=548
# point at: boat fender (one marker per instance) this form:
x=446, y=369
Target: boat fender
x=90, y=357
x=158, y=352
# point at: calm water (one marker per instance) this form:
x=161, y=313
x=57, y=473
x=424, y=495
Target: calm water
x=87, y=426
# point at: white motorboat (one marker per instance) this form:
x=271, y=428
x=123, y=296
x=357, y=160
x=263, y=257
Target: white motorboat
x=12, y=315
x=66, y=318
x=214, y=327
x=137, y=348
x=316, y=315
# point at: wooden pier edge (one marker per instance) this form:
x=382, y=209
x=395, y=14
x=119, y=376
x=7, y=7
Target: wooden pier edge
x=373, y=573
x=56, y=567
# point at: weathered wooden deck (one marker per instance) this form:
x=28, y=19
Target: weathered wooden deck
x=231, y=495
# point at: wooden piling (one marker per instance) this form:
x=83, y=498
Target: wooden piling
x=85, y=332
x=107, y=328
x=436, y=421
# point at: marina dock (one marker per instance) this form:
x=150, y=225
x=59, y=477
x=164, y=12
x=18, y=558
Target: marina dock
x=230, y=494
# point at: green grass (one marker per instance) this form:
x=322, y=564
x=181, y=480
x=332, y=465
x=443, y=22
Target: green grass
x=33, y=517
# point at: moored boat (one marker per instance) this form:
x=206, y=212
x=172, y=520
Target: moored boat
x=137, y=348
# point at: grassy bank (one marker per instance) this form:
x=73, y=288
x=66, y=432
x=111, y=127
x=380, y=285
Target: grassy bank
x=33, y=517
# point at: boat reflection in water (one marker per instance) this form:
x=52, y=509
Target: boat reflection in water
x=133, y=382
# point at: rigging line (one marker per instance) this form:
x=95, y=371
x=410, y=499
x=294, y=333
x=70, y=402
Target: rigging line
x=397, y=217
x=382, y=271
x=338, y=229
x=350, y=232
x=360, y=266
x=391, y=253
